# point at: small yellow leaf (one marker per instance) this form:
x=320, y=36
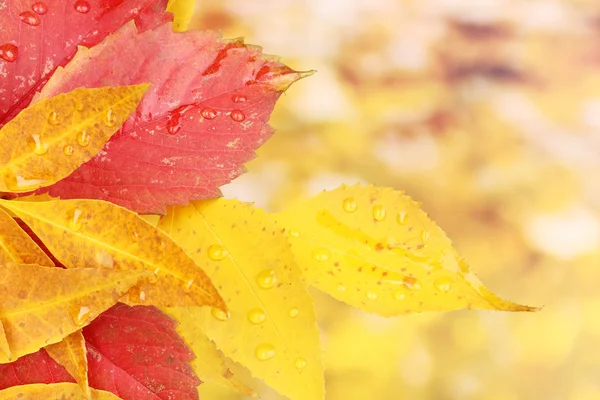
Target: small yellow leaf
x=375, y=249
x=83, y=234
x=41, y=305
x=17, y=247
x=5, y=355
x=271, y=325
x=182, y=10
x=64, y=390
x=210, y=365
x=52, y=138
x=71, y=353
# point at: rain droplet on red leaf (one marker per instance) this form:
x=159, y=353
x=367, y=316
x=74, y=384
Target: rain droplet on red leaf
x=39, y=8
x=30, y=18
x=9, y=52
x=82, y=6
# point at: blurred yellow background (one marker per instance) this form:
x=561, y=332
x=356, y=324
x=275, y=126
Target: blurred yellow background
x=488, y=112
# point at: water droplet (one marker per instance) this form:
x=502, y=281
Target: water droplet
x=111, y=118
x=402, y=217
x=208, y=113
x=154, y=277
x=53, y=118
x=83, y=138
x=219, y=314
x=68, y=150
x=75, y=222
x=294, y=234
x=237, y=116
x=371, y=295
x=37, y=144
x=294, y=312
x=187, y=286
x=143, y=296
x=264, y=351
x=425, y=236
x=9, y=52
x=398, y=295
x=321, y=254
x=239, y=98
x=30, y=18
x=379, y=212
x=82, y=6
x=217, y=252
x=341, y=288
x=21, y=183
x=411, y=283
x=135, y=236
x=173, y=126
x=82, y=315
x=256, y=316
x=266, y=279
x=300, y=363
x=443, y=284
x=349, y=204
x=39, y=8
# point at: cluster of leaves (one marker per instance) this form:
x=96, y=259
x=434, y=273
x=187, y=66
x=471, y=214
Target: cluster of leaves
x=99, y=299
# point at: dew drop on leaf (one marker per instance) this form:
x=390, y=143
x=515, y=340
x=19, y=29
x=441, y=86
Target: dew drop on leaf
x=293, y=312
x=83, y=138
x=371, y=295
x=256, y=316
x=143, y=296
x=37, y=144
x=321, y=254
x=82, y=6
x=29, y=18
x=239, y=98
x=300, y=363
x=264, y=351
x=443, y=284
x=237, y=116
x=379, y=212
x=425, y=236
x=81, y=315
x=208, y=113
x=398, y=295
x=111, y=118
x=216, y=252
x=294, y=234
x=349, y=204
x=402, y=217
x=219, y=314
x=9, y=52
x=266, y=279
x=53, y=118
x=187, y=286
x=341, y=288
x=39, y=8
x=68, y=150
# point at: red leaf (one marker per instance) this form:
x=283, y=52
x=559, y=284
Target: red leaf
x=135, y=353
x=38, y=36
x=38, y=367
x=202, y=119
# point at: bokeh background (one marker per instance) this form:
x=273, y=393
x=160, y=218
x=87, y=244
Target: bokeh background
x=488, y=112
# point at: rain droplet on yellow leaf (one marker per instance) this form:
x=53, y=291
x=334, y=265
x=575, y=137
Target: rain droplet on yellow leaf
x=64, y=390
x=71, y=353
x=33, y=153
x=83, y=234
x=271, y=327
x=383, y=254
x=17, y=247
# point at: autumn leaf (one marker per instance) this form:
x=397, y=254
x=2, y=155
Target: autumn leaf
x=17, y=247
x=64, y=390
x=5, y=355
x=37, y=37
x=210, y=365
x=135, y=352
x=71, y=354
x=202, y=119
x=375, y=249
x=75, y=231
x=250, y=261
x=37, y=367
x=182, y=13
x=49, y=140
x=42, y=305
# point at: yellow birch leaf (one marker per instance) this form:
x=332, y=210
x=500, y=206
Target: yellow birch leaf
x=375, y=249
x=182, y=10
x=41, y=305
x=71, y=353
x=210, y=365
x=84, y=234
x=5, y=355
x=62, y=391
x=52, y=138
x=17, y=247
x=271, y=328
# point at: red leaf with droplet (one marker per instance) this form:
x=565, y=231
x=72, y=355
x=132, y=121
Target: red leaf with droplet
x=135, y=353
x=203, y=117
x=38, y=36
x=38, y=367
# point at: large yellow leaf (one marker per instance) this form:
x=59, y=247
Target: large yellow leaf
x=41, y=305
x=65, y=390
x=94, y=233
x=17, y=247
x=52, y=138
x=5, y=355
x=210, y=365
x=182, y=13
x=375, y=249
x=271, y=328
x=71, y=353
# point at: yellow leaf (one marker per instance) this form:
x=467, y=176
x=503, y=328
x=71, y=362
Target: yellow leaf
x=271, y=328
x=83, y=233
x=210, y=365
x=41, y=305
x=5, y=355
x=375, y=249
x=182, y=10
x=64, y=390
x=52, y=138
x=17, y=247
x=71, y=353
